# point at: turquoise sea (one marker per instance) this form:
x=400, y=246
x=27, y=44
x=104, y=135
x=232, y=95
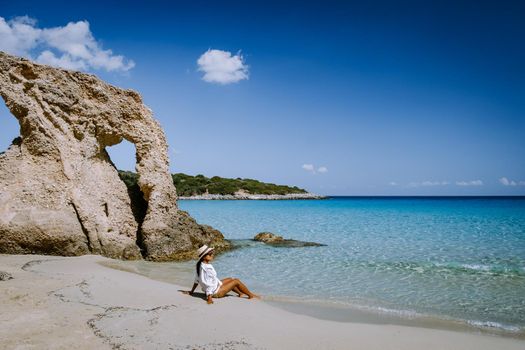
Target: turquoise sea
x=453, y=258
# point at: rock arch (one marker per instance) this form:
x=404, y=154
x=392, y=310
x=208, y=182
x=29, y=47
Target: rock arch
x=60, y=193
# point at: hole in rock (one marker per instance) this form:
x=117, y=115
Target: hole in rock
x=123, y=156
x=9, y=127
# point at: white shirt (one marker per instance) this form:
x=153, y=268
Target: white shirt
x=207, y=279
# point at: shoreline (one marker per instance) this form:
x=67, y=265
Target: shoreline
x=306, y=196
x=335, y=310
x=76, y=302
x=246, y=196
x=347, y=313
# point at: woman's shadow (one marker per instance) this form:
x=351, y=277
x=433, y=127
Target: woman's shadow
x=194, y=294
x=199, y=295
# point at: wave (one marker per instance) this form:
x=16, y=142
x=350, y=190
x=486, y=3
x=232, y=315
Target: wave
x=485, y=269
x=452, y=268
x=407, y=314
x=411, y=314
x=495, y=325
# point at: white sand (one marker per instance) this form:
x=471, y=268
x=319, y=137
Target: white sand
x=76, y=303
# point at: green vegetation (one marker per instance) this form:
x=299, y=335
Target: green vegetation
x=188, y=185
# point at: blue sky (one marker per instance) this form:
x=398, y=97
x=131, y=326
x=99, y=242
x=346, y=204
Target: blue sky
x=341, y=98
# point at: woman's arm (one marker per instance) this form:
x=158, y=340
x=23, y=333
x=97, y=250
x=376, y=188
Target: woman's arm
x=193, y=288
x=190, y=292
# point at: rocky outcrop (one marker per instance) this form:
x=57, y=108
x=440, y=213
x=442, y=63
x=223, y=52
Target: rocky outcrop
x=59, y=191
x=268, y=237
x=278, y=241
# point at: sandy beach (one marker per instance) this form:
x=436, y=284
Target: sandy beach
x=64, y=303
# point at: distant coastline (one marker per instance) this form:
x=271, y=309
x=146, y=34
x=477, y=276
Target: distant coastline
x=247, y=196
x=200, y=187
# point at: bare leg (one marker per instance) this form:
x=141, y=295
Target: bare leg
x=234, y=283
x=238, y=291
x=235, y=289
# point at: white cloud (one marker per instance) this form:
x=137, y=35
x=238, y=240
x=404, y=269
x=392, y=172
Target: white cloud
x=470, y=183
x=309, y=167
x=18, y=35
x=75, y=39
x=393, y=183
x=64, y=61
x=72, y=46
x=435, y=183
x=428, y=183
x=507, y=182
x=221, y=67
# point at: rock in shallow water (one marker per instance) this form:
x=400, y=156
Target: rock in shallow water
x=278, y=241
x=267, y=237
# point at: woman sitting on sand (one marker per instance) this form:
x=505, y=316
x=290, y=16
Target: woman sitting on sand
x=210, y=284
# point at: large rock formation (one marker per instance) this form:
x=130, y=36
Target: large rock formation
x=59, y=191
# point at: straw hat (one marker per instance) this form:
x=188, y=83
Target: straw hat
x=203, y=251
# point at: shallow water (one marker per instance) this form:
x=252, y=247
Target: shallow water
x=452, y=258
